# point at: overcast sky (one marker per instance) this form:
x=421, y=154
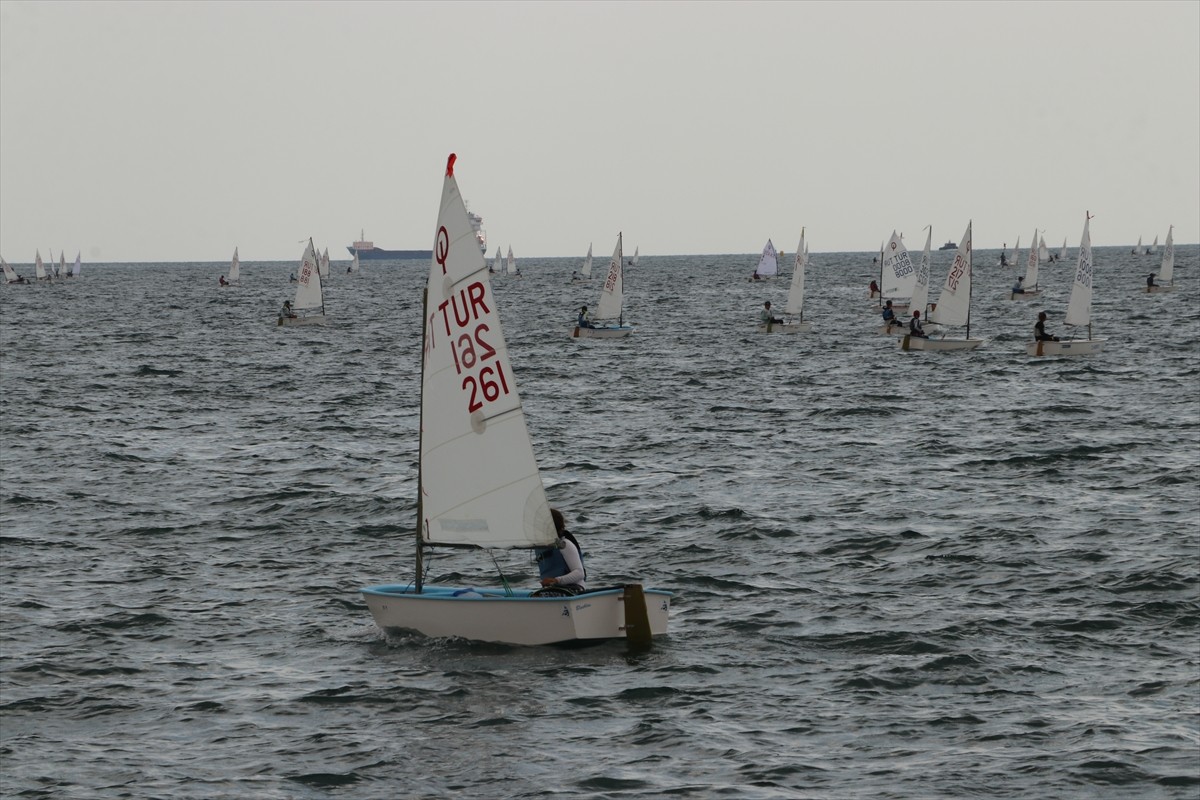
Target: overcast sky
x=176, y=131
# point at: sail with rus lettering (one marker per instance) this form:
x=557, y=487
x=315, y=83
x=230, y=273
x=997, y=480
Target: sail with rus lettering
x=953, y=308
x=478, y=483
x=1079, y=309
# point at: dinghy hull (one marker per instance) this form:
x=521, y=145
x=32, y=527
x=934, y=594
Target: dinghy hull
x=1027, y=295
x=787, y=327
x=290, y=322
x=489, y=615
x=1078, y=347
x=1159, y=289
x=908, y=342
x=611, y=332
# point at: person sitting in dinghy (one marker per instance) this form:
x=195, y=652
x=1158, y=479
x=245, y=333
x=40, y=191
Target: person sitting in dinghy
x=560, y=566
x=585, y=319
x=286, y=311
x=873, y=289
x=914, y=326
x=1019, y=286
x=766, y=317
x=1039, y=330
x=889, y=316
x=223, y=281
x=1150, y=280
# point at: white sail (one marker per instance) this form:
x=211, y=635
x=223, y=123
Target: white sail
x=634, y=260
x=795, y=300
x=1137, y=248
x=479, y=480
x=1153, y=248
x=510, y=263
x=10, y=274
x=586, y=269
x=612, y=292
x=309, y=296
x=954, y=304
x=354, y=265
x=1062, y=254
x=324, y=263
x=235, y=268
x=899, y=274
x=768, y=262
x=1043, y=251
x=1166, y=273
x=39, y=269
x=1016, y=259
x=62, y=263
x=1031, y=266
x=1079, y=307
x=920, y=292
x=75, y=269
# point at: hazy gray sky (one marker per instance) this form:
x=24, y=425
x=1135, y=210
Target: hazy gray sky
x=170, y=131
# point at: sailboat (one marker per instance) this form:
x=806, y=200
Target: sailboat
x=309, y=304
x=1165, y=280
x=10, y=274
x=510, y=263
x=235, y=268
x=1062, y=254
x=497, y=262
x=633, y=262
x=768, y=263
x=1153, y=248
x=953, y=307
x=62, y=264
x=354, y=263
x=585, y=271
x=899, y=274
x=39, y=269
x=478, y=484
x=795, y=300
x=609, y=321
x=1079, y=308
x=1030, y=284
x=1137, y=248
x=1043, y=251
x=75, y=269
x=324, y=264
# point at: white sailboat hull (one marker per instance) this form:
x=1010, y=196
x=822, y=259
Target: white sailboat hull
x=602, y=332
x=1156, y=289
x=1077, y=347
x=786, y=327
x=311, y=319
x=488, y=615
x=892, y=330
x=1028, y=294
x=908, y=342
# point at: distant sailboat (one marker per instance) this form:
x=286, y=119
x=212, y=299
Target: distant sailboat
x=1079, y=308
x=10, y=274
x=235, y=268
x=1137, y=248
x=585, y=271
x=768, y=263
x=308, y=308
x=1030, y=284
x=510, y=263
x=610, y=318
x=497, y=262
x=1165, y=280
x=1043, y=251
x=39, y=269
x=354, y=263
x=62, y=264
x=324, y=268
x=953, y=307
x=75, y=269
x=1153, y=248
x=635, y=259
x=1062, y=254
x=795, y=300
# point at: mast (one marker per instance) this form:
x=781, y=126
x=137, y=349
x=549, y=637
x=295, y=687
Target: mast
x=420, y=439
x=970, y=270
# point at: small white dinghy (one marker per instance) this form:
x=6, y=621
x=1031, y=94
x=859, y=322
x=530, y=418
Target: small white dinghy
x=953, y=308
x=10, y=274
x=898, y=264
x=235, y=270
x=1079, y=308
x=768, y=264
x=1164, y=281
x=478, y=483
x=609, y=322
x=308, y=307
x=795, y=301
x=585, y=272
x=1030, y=284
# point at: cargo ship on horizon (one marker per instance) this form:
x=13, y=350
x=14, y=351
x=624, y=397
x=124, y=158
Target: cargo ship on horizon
x=367, y=251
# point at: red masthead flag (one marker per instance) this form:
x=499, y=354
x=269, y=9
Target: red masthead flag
x=450, y=165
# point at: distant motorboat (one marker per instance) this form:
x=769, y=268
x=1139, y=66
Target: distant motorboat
x=949, y=246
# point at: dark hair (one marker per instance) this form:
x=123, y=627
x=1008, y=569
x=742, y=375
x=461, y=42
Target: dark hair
x=560, y=527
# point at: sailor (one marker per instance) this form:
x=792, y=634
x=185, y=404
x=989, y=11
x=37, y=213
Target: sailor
x=287, y=311
x=1039, y=330
x=223, y=281
x=1150, y=280
x=766, y=317
x=585, y=319
x=889, y=316
x=560, y=566
x=914, y=326
x=1019, y=286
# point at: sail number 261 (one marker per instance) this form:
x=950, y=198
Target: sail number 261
x=470, y=350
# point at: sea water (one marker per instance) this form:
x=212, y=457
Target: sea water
x=897, y=574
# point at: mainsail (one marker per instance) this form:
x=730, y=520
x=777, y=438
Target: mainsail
x=611, y=293
x=920, y=292
x=768, y=262
x=479, y=480
x=235, y=268
x=586, y=269
x=1079, y=307
x=899, y=274
x=1031, y=266
x=1166, y=273
x=309, y=296
x=795, y=300
x=954, y=303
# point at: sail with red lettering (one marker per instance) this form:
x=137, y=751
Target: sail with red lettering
x=612, y=293
x=954, y=305
x=1079, y=307
x=309, y=296
x=479, y=479
x=920, y=291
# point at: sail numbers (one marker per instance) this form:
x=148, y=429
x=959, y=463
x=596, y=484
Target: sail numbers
x=483, y=377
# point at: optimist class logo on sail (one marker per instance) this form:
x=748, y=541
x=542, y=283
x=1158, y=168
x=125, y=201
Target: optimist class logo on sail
x=463, y=319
